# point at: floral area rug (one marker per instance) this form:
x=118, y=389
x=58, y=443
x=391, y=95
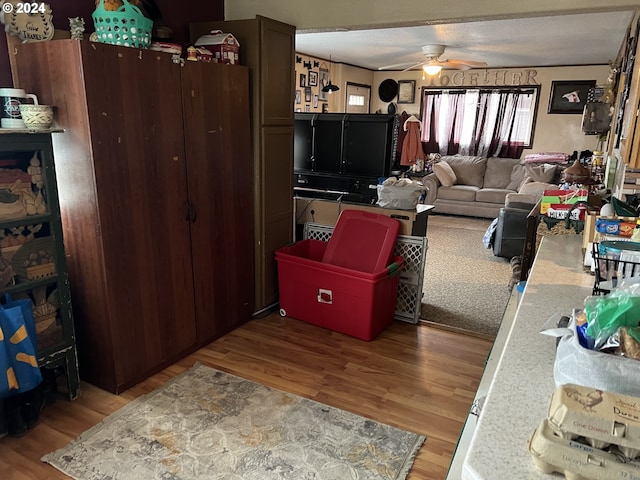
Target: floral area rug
x=207, y=424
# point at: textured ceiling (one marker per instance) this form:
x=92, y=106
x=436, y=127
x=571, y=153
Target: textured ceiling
x=582, y=39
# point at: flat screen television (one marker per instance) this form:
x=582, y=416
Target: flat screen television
x=368, y=146
x=359, y=145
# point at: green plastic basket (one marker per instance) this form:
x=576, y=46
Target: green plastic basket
x=126, y=26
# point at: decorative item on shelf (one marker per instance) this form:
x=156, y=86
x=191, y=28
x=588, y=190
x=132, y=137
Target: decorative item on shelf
x=29, y=21
x=76, y=27
x=126, y=26
x=10, y=101
x=45, y=308
x=34, y=260
x=11, y=239
x=36, y=117
x=224, y=47
x=577, y=174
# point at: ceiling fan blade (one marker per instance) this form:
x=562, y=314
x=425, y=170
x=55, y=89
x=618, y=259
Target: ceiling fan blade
x=469, y=63
x=413, y=66
x=397, y=65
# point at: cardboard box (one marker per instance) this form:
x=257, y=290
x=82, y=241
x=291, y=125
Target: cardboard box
x=550, y=197
x=590, y=234
x=576, y=460
x=561, y=210
x=603, y=418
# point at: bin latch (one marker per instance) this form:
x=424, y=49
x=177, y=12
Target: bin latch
x=325, y=296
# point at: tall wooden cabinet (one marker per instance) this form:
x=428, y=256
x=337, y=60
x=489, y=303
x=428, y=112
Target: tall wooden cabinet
x=268, y=48
x=156, y=208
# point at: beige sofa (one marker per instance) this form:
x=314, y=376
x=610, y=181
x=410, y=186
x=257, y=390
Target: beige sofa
x=480, y=186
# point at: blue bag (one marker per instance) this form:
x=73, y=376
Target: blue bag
x=19, y=371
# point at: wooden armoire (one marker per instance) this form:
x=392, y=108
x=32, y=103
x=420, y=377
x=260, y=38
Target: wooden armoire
x=267, y=47
x=156, y=205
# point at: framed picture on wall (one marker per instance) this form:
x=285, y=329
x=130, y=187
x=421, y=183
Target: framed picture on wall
x=307, y=108
x=303, y=80
x=307, y=94
x=313, y=79
x=569, y=96
x=406, y=91
x=298, y=97
x=315, y=101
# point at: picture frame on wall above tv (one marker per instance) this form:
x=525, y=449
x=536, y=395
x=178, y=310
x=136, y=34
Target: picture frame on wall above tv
x=569, y=96
x=406, y=91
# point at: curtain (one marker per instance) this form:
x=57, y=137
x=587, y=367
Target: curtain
x=475, y=122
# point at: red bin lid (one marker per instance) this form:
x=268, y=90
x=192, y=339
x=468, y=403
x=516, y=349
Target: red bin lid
x=362, y=241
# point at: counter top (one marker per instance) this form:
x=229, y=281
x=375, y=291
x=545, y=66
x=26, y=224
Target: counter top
x=519, y=394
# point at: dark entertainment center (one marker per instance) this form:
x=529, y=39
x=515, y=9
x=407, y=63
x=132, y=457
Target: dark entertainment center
x=342, y=156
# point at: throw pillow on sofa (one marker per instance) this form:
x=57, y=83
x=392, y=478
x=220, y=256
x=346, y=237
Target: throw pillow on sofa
x=445, y=174
x=518, y=175
x=540, y=173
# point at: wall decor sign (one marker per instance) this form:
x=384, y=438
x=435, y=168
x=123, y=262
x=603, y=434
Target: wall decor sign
x=406, y=91
x=569, y=96
x=31, y=22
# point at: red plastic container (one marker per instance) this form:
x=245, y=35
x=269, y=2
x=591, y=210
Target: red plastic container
x=362, y=241
x=348, y=301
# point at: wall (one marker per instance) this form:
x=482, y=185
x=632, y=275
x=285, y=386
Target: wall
x=553, y=132
x=174, y=15
x=339, y=75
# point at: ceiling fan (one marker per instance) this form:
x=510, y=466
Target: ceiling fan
x=432, y=63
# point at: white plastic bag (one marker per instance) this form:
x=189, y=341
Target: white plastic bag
x=591, y=368
x=402, y=194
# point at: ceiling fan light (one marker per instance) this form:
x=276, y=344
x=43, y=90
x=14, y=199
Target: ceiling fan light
x=432, y=69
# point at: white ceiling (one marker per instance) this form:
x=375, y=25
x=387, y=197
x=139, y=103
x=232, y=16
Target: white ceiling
x=581, y=39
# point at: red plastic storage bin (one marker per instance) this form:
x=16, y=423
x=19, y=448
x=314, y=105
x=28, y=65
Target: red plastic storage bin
x=348, y=301
x=362, y=241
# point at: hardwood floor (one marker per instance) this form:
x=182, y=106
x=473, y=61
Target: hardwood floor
x=414, y=377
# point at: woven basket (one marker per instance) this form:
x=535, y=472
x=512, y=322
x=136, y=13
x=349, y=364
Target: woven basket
x=126, y=26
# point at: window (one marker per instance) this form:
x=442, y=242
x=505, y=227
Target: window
x=488, y=122
x=356, y=100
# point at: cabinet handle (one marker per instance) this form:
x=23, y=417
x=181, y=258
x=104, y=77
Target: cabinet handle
x=187, y=207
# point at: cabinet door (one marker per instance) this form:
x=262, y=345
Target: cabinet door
x=219, y=170
x=134, y=102
x=277, y=72
x=277, y=205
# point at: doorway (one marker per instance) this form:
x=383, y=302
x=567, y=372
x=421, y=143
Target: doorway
x=357, y=98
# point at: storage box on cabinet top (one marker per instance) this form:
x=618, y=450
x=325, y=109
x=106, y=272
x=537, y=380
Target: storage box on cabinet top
x=348, y=301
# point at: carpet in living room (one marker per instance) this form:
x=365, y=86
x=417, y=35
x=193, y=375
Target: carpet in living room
x=465, y=287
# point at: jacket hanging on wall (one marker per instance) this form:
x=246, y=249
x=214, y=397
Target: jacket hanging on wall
x=411, y=145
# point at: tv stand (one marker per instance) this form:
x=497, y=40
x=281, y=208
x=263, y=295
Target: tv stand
x=336, y=187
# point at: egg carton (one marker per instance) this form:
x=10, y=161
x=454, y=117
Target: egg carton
x=602, y=418
x=575, y=460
